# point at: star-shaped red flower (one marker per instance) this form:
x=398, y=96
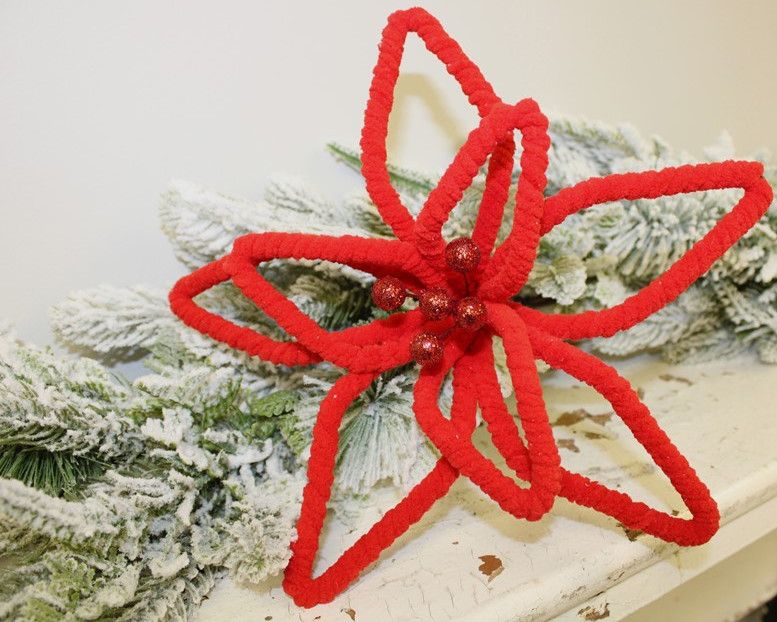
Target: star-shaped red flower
x=417, y=260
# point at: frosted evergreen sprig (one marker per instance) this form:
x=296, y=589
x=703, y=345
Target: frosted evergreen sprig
x=125, y=541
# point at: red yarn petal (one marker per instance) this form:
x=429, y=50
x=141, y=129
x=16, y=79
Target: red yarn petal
x=376, y=116
x=380, y=344
x=298, y=580
x=381, y=100
x=545, y=478
x=627, y=405
x=692, y=265
x=512, y=262
x=243, y=338
x=495, y=128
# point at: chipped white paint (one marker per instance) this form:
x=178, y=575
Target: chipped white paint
x=574, y=562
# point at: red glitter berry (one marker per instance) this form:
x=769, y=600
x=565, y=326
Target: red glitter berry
x=470, y=313
x=426, y=349
x=462, y=255
x=388, y=293
x=435, y=303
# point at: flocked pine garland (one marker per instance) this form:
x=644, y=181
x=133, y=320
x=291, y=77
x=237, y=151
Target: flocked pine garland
x=126, y=500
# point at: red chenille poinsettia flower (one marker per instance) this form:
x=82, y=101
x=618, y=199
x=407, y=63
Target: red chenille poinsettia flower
x=465, y=292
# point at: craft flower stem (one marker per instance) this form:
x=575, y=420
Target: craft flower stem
x=466, y=288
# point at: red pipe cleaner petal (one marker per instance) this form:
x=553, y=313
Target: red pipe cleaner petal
x=692, y=265
x=493, y=129
x=298, y=579
x=182, y=303
x=545, y=478
x=512, y=262
x=363, y=348
x=627, y=405
x=381, y=100
x=377, y=256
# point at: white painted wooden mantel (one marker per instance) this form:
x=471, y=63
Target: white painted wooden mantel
x=575, y=564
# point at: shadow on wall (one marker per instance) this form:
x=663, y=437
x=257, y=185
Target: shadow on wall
x=416, y=86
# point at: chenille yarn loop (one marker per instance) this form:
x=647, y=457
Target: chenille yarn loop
x=376, y=115
x=626, y=404
x=493, y=130
x=298, y=580
x=416, y=259
x=629, y=407
x=693, y=264
x=545, y=478
x=240, y=337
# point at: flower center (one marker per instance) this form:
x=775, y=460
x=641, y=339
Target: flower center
x=469, y=313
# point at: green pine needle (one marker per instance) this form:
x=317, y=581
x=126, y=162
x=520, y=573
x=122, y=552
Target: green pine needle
x=270, y=413
x=274, y=405
x=411, y=182
x=57, y=473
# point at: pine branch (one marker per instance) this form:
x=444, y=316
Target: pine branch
x=147, y=471
x=409, y=182
x=107, y=319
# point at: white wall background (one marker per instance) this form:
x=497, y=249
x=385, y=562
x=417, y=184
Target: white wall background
x=101, y=103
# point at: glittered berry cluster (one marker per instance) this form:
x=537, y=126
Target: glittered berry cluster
x=464, y=291
x=437, y=303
